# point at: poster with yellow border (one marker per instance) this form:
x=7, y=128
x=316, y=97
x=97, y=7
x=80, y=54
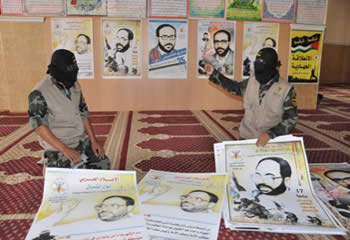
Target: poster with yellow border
x=269, y=188
x=181, y=206
x=88, y=204
x=305, y=54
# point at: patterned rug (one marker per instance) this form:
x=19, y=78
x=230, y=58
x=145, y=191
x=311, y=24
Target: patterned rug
x=179, y=141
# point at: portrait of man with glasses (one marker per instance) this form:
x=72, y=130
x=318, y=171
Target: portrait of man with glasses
x=166, y=35
x=223, y=58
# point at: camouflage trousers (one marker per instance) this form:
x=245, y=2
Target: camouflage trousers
x=58, y=160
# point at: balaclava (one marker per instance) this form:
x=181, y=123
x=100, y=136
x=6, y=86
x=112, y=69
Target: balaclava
x=265, y=65
x=63, y=67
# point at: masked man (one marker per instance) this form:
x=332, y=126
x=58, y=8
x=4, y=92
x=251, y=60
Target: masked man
x=269, y=102
x=59, y=115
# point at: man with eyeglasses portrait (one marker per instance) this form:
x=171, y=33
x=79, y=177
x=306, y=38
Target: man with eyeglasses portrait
x=342, y=178
x=166, y=35
x=223, y=58
x=271, y=178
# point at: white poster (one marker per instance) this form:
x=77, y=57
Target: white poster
x=167, y=41
x=75, y=35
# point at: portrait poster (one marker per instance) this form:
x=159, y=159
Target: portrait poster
x=122, y=48
x=269, y=188
x=88, y=204
x=75, y=35
x=127, y=8
x=216, y=47
x=257, y=35
x=207, y=8
x=305, y=53
x=312, y=12
x=244, y=10
x=167, y=8
x=181, y=206
x=11, y=7
x=279, y=11
x=331, y=182
x=167, y=57
x=44, y=7
x=87, y=7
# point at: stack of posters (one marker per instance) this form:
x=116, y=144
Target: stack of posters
x=182, y=205
x=331, y=182
x=88, y=204
x=269, y=188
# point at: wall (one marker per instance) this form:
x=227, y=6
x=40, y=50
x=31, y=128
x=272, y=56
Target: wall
x=336, y=50
x=125, y=94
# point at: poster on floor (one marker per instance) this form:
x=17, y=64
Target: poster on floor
x=279, y=11
x=12, y=7
x=75, y=35
x=88, y=204
x=269, y=189
x=305, y=53
x=216, y=47
x=181, y=206
x=331, y=182
x=44, y=7
x=87, y=7
x=244, y=10
x=122, y=48
x=167, y=8
x=312, y=12
x=207, y=8
x=167, y=57
x=257, y=35
x=127, y=8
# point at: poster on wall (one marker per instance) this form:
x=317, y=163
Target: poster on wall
x=216, y=45
x=244, y=10
x=257, y=35
x=167, y=57
x=86, y=7
x=279, y=11
x=167, y=8
x=182, y=205
x=88, y=204
x=44, y=7
x=127, y=8
x=331, y=183
x=305, y=53
x=122, y=48
x=12, y=7
x=75, y=35
x=207, y=8
x=312, y=12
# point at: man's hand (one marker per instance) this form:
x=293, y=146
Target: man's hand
x=98, y=150
x=72, y=155
x=263, y=139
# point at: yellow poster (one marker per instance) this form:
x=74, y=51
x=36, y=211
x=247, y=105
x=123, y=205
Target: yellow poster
x=305, y=56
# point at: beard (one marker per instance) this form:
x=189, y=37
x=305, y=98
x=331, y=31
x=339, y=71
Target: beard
x=223, y=51
x=274, y=191
x=162, y=47
x=122, y=48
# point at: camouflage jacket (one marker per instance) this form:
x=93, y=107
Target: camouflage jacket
x=38, y=109
x=290, y=113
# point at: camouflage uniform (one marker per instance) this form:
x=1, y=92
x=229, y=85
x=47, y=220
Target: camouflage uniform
x=38, y=116
x=290, y=114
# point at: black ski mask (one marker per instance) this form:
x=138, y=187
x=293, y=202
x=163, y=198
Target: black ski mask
x=265, y=65
x=63, y=67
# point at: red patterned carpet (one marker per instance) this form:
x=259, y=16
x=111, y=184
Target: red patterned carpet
x=180, y=141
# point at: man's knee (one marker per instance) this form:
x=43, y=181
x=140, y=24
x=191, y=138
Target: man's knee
x=56, y=159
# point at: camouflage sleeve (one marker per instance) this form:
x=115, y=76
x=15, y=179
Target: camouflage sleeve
x=37, y=110
x=83, y=108
x=231, y=86
x=289, y=118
